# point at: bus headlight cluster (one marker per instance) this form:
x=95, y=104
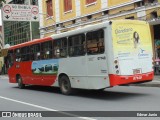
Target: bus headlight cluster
x=117, y=72
x=116, y=66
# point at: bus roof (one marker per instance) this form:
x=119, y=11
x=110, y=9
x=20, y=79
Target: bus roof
x=31, y=42
x=81, y=30
x=93, y=27
x=64, y=34
x=73, y=32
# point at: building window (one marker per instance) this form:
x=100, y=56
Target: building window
x=90, y=1
x=49, y=7
x=154, y=15
x=131, y=17
x=34, y=2
x=67, y=5
x=140, y=4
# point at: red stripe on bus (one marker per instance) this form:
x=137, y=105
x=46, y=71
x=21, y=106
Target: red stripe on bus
x=122, y=80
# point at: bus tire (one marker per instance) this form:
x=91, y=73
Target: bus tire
x=20, y=83
x=65, y=85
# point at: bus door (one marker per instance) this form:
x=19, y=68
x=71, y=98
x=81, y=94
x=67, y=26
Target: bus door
x=96, y=59
x=76, y=64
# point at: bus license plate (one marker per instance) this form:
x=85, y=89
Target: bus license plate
x=136, y=71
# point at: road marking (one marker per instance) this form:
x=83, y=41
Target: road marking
x=45, y=108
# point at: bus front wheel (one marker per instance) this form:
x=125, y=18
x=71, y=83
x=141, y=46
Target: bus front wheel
x=20, y=82
x=65, y=85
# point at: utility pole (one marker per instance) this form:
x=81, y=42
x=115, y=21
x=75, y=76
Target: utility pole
x=31, y=37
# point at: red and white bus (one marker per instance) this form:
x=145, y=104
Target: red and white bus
x=95, y=57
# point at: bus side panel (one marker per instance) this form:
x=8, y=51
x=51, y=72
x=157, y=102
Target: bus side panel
x=75, y=68
x=12, y=74
x=44, y=72
x=24, y=69
x=97, y=71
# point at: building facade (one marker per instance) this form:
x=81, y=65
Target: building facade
x=16, y=32
x=64, y=15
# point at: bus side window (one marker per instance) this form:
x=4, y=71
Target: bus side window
x=95, y=42
x=35, y=52
x=76, y=45
x=46, y=50
x=63, y=49
x=60, y=48
x=25, y=54
x=56, y=48
x=18, y=55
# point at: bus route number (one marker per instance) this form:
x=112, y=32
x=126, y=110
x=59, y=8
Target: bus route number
x=101, y=58
x=137, y=77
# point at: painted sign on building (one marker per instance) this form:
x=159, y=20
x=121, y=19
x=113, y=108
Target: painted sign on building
x=16, y=12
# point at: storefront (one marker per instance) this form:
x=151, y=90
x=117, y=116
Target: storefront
x=155, y=31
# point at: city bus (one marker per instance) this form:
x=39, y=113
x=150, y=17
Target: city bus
x=93, y=57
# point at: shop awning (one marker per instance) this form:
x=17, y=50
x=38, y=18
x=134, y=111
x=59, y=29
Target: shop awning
x=3, y=52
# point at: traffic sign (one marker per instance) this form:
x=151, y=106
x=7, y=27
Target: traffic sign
x=17, y=12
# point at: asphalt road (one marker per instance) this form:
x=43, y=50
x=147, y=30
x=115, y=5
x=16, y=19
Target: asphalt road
x=36, y=98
